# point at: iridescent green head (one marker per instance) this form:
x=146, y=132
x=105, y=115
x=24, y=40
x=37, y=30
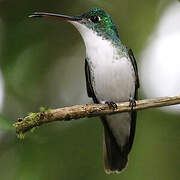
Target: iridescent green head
x=95, y=19
x=100, y=22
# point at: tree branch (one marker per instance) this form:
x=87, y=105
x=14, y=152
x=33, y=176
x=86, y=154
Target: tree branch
x=88, y=110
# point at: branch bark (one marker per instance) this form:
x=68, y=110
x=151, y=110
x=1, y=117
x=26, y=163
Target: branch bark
x=87, y=110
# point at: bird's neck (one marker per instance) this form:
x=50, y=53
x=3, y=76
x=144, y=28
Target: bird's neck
x=95, y=40
x=99, y=48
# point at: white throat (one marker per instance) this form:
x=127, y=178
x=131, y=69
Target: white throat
x=95, y=45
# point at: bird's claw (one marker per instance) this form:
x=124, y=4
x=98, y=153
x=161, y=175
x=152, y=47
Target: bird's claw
x=111, y=104
x=132, y=103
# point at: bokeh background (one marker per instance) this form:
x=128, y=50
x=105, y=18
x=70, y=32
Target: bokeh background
x=42, y=64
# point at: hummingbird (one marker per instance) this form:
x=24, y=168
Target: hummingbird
x=111, y=76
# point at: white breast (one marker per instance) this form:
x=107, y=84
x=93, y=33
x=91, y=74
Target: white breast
x=112, y=76
x=114, y=81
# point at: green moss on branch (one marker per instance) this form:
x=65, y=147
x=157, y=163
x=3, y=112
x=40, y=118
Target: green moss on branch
x=87, y=110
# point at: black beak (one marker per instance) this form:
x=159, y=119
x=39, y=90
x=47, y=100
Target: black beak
x=57, y=16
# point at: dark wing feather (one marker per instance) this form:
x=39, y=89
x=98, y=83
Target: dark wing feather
x=133, y=61
x=89, y=87
x=133, y=113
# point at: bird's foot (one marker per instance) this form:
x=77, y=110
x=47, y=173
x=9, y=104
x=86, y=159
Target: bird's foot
x=132, y=103
x=111, y=104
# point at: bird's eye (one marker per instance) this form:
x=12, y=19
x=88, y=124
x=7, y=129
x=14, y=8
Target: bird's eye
x=95, y=19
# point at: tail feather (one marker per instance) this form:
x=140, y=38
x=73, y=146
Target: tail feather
x=114, y=160
x=115, y=155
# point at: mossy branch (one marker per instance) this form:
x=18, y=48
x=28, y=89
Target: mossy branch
x=87, y=110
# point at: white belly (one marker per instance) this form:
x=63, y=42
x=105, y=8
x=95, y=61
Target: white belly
x=113, y=80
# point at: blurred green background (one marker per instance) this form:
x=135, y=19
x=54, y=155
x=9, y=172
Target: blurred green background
x=42, y=64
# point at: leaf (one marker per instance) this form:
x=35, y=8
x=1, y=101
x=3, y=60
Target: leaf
x=5, y=124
